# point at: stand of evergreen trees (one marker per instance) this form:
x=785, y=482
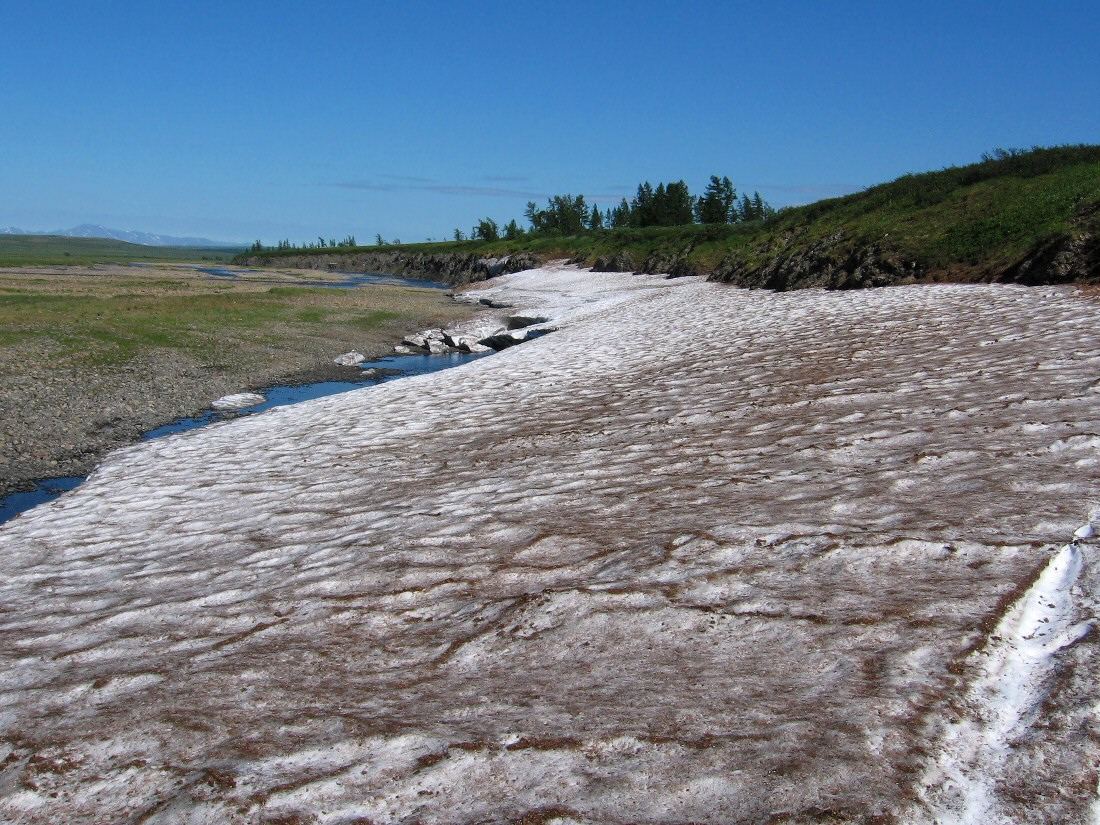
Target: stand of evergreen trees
x=283, y=245
x=666, y=204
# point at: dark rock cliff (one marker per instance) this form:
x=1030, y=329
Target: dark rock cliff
x=788, y=261
x=1064, y=258
x=782, y=261
x=447, y=268
x=834, y=262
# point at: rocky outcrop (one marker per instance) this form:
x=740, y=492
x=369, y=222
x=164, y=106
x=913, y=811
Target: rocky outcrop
x=1066, y=258
x=838, y=261
x=448, y=268
x=673, y=264
x=474, y=337
x=833, y=262
x=619, y=262
x=783, y=260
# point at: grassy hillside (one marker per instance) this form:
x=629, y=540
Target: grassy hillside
x=44, y=250
x=988, y=221
x=1031, y=216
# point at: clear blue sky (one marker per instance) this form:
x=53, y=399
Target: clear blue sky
x=241, y=120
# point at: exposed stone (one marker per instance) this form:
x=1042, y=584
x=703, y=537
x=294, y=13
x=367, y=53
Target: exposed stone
x=521, y=321
x=619, y=262
x=237, y=401
x=835, y=262
x=489, y=302
x=349, y=359
x=503, y=340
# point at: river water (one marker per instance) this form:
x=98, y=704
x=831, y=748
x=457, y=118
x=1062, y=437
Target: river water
x=347, y=280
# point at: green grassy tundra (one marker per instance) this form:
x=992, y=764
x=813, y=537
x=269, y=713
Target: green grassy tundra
x=110, y=316
x=53, y=250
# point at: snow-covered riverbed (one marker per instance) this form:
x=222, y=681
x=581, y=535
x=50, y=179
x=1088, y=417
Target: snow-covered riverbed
x=700, y=555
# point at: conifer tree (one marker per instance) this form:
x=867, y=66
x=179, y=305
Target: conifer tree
x=745, y=212
x=678, y=204
x=623, y=215
x=595, y=220
x=718, y=203
x=486, y=230
x=641, y=208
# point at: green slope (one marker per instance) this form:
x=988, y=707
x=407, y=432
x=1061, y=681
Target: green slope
x=990, y=221
x=1031, y=217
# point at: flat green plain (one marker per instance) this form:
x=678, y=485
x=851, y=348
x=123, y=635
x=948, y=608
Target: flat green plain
x=54, y=250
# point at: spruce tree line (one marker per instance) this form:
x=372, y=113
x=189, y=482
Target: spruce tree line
x=666, y=204
x=286, y=244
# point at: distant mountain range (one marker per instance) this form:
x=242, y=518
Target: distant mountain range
x=88, y=230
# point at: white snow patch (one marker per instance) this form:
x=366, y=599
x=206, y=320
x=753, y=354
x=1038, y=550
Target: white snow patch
x=1016, y=665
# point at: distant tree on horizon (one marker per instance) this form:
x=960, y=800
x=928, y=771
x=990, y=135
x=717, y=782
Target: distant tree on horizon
x=563, y=215
x=486, y=230
x=512, y=231
x=718, y=203
x=754, y=208
x=622, y=215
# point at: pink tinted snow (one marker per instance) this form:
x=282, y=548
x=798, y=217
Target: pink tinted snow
x=699, y=555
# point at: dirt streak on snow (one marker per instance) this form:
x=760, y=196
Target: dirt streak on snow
x=700, y=555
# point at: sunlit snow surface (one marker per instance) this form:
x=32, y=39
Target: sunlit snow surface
x=699, y=555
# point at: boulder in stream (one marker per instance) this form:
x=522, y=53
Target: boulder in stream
x=349, y=359
x=237, y=401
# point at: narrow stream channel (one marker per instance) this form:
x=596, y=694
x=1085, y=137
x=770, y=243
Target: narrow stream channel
x=338, y=280
x=385, y=369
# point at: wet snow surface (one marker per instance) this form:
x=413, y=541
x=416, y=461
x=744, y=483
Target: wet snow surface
x=700, y=555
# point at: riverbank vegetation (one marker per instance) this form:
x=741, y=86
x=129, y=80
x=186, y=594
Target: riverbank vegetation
x=1014, y=215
